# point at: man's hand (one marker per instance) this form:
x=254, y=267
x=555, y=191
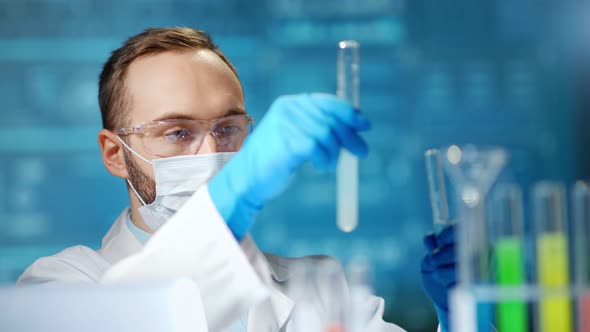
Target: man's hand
x=439, y=273
x=296, y=129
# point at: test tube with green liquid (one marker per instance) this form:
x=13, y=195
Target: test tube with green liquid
x=555, y=310
x=507, y=222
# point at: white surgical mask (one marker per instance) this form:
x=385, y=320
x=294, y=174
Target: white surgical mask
x=177, y=179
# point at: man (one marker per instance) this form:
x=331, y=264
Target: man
x=174, y=118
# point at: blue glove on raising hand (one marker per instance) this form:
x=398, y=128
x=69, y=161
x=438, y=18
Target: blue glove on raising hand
x=295, y=129
x=439, y=272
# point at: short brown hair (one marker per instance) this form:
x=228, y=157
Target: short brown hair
x=111, y=91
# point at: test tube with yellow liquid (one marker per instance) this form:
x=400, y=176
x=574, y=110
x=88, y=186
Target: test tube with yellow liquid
x=507, y=232
x=555, y=309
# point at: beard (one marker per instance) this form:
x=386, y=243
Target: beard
x=145, y=186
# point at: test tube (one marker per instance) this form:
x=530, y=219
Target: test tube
x=507, y=223
x=437, y=189
x=347, y=171
x=552, y=256
x=581, y=218
x=474, y=252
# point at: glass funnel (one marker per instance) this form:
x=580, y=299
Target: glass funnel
x=472, y=171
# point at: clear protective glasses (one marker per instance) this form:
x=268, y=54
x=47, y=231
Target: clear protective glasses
x=178, y=137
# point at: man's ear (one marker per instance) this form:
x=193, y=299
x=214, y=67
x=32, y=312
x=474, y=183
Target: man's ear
x=111, y=151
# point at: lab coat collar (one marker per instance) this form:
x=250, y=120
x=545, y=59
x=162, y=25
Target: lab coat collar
x=119, y=242
x=279, y=271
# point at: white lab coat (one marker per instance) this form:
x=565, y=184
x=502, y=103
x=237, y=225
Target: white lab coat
x=233, y=277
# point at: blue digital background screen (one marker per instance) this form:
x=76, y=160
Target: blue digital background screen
x=433, y=73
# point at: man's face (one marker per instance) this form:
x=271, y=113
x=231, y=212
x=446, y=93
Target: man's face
x=189, y=85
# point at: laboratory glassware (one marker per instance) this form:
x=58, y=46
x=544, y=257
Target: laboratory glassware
x=550, y=217
x=347, y=170
x=506, y=226
x=437, y=188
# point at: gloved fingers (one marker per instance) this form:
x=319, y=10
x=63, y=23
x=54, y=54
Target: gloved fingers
x=446, y=236
x=442, y=313
x=326, y=154
x=430, y=241
x=447, y=276
x=444, y=256
x=301, y=131
x=320, y=158
x=427, y=265
x=351, y=141
x=323, y=145
x=344, y=134
x=331, y=132
x=452, y=283
x=337, y=108
x=334, y=152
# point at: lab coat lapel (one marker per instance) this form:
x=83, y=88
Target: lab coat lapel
x=273, y=314
x=119, y=242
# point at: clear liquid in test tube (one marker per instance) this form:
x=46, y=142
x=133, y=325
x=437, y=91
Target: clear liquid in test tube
x=437, y=189
x=347, y=181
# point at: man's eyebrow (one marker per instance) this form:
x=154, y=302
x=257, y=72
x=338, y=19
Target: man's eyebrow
x=184, y=116
x=234, y=111
x=174, y=115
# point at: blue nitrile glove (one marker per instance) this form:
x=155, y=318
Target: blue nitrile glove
x=296, y=129
x=439, y=273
